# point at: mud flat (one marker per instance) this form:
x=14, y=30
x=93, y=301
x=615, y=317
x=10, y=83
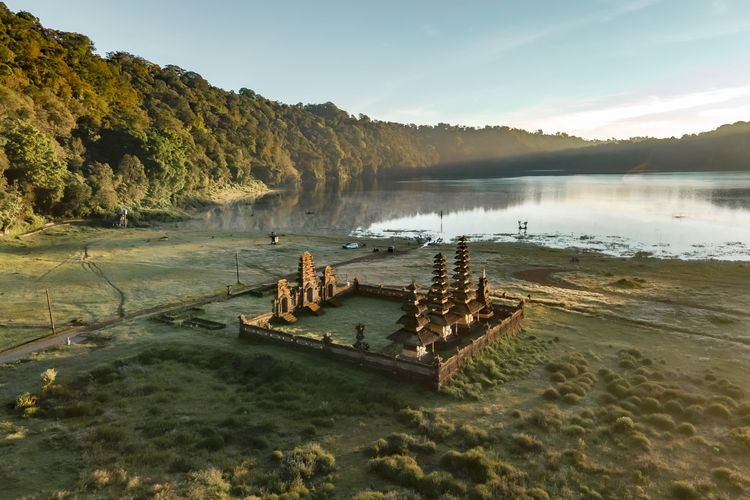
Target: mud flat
x=637, y=357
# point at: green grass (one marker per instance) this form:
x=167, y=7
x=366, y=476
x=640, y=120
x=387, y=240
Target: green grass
x=149, y=410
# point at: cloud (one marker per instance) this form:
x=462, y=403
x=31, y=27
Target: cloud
x=659, y=116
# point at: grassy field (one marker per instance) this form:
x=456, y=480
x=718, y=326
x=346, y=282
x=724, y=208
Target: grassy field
x=629, y=380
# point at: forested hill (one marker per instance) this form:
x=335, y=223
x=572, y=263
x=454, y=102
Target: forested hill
x=81, y=134
x=726, y=149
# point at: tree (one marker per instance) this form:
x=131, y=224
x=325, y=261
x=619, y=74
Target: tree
x=12, y=207
x=166, y=167
x=101, y=180
x=33, y=164
x=131, y=182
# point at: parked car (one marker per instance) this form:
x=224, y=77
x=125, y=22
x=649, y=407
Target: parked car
x=351, y=245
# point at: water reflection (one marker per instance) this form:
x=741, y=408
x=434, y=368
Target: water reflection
x=686, y=215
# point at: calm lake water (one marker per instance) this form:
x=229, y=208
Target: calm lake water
x=690, y=216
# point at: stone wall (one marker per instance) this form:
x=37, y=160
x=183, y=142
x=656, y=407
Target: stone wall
x=432, y=374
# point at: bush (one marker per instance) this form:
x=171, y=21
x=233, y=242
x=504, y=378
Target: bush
x=639, y=440
x=435, y=426
x=571, y=398
x=683, y=490
x=547, y=418
x=208, y=483
x=742, y=436
x=48, y=377
x=27, y=403
x=401, y=469
x=527, y=442
x=476, y=466
x=551, y=393
x=307, y=462
x=661, y=421
x=558, y=377
x=472, y=435
x=686, y=428
x=400, y=444
x=623, y=425
x=574, y=430
x=717, y=410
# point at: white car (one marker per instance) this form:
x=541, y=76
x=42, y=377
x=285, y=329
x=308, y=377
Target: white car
x=350, y=246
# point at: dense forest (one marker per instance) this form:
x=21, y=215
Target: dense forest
x=81, y=134
x=726, y=149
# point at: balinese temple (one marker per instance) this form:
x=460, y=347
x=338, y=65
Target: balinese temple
x=483, y=297
x=414, y=335
x=463, y=297
x=309, y=287
x=311, y=291
x=438, y=302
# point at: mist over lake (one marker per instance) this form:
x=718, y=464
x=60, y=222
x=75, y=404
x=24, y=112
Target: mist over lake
x=685, y=215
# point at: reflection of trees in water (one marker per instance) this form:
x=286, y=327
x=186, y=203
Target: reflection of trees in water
x=319, y=208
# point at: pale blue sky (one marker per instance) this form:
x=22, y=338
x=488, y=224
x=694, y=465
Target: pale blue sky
x=597, y=68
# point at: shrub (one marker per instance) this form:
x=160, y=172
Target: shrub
x=551, y=393
x=571, y=388
x=472, y=435
x=660, y=421
x=307, y=461
x=208, y=483
x=717, y=410
x=650, y=404
x=683, y=490
x=400, y=469
x=623, y=425
x=742, y=436
x=673, y=408
x=527, y=442
x=400, y=444
x=437, y=483
x=694, y=413
x=639, y=440
x=547, y=418
x=48, y=377
x=27, y=403
x=574, y=430
x=478, y=467
x=686, y=429
x=571, y=398
x=729, y=477
x=435, y=426
x=558, y=377
x=619, y=388
x=743, y=409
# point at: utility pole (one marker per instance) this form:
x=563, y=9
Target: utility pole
x=237, y=265
x=49, y=308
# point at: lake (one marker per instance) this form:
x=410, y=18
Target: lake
x=685, y=215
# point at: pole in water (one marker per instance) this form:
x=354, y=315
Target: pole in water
x=49, y=308
x=441, y=221
x=237, y=265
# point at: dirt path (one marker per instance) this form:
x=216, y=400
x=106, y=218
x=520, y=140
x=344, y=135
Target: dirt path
x=93, y=267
